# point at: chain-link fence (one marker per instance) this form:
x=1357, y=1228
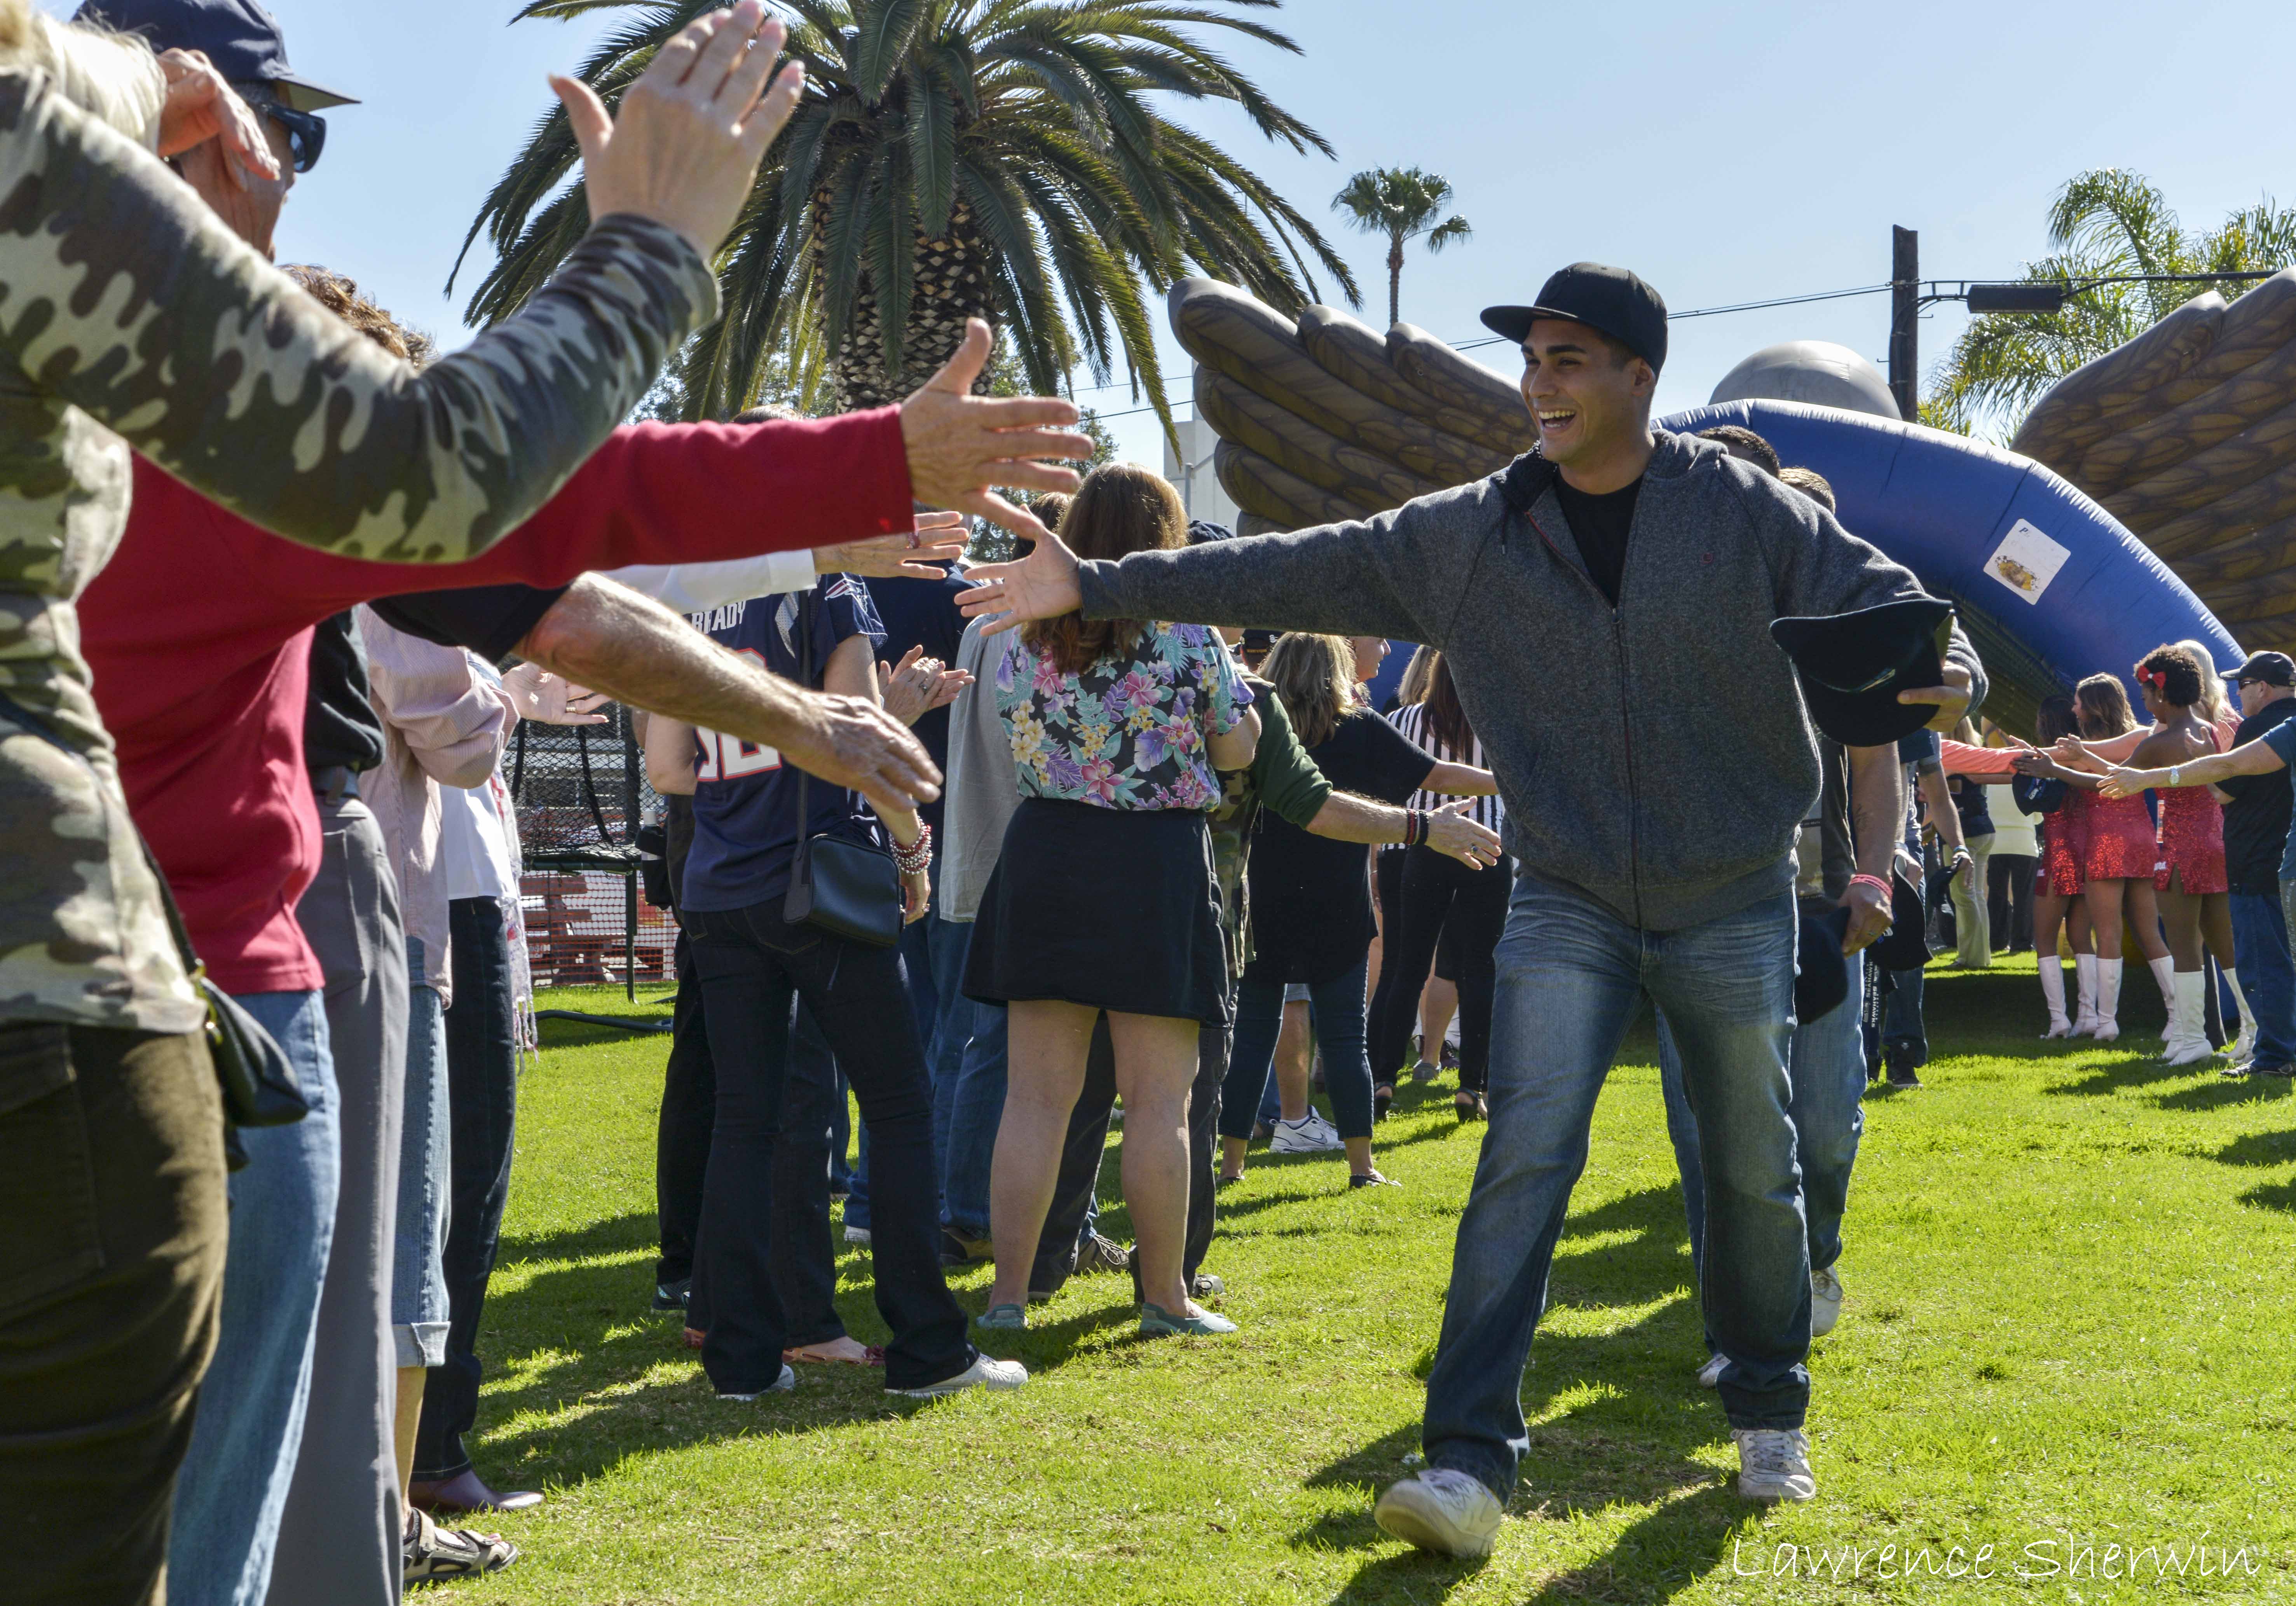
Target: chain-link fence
x=582, y=794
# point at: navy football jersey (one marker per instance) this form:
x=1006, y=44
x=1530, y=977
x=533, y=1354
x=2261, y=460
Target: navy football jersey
x=745, y=828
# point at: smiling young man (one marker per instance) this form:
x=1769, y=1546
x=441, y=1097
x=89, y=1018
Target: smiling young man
x=1605, y=605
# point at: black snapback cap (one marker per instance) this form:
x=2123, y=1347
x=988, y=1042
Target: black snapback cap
x=1611, y=299
x=2272, y=668
x=1853, y=664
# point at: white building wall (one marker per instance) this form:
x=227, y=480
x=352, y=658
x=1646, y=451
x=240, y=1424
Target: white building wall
x=1192, y=474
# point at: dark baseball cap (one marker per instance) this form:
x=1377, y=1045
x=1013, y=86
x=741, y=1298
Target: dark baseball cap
x=2272, y=668
x=1853, y=666
x=1610, y=299
x=238, y=36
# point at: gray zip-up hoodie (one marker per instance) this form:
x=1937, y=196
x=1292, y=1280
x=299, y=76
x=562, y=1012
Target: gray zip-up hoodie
x=1655, y=756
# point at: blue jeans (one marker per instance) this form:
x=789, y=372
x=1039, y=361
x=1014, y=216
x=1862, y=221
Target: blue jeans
x=1571, y=978
x=976, y=1107
x=420, y=1310
x=1337, y=1008
x=1904, y=1033
x=1826, y=1069
x=2260, y=934
x=235, y=1476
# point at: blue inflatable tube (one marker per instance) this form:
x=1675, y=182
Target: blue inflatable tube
x=2051, y=587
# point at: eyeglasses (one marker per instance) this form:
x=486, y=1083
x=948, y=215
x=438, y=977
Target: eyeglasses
x=306, y=134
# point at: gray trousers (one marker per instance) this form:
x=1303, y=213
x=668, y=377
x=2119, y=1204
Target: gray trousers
x=339, y=1541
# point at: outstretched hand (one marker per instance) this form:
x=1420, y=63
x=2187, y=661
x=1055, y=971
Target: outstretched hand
x=684, y=150
x=1450, y=831
x=2122, y=782
x=550, y=698
x=1041, y=584
x=916, y=554
x=959, y=445
x=850, y=742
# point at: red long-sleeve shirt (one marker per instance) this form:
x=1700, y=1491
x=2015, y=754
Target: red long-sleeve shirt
x=199, y=632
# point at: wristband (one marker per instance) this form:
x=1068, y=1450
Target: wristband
x=1418, y=819
x=1876, y=882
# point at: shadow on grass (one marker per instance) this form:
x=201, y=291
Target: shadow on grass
x=2259, y=1147
x=1657, y=1557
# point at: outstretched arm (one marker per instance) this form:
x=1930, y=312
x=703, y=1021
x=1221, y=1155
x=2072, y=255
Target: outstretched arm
x=1346, y=817
x=2259, y=757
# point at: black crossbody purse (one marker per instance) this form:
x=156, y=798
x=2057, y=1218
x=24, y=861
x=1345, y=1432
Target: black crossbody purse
x=259, y=1084
x=844, y=887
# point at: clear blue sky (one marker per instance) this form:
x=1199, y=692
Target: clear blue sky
x=1727, y=154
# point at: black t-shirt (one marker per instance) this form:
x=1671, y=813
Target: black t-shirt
x=1311, y=916
x=340, y=726
x=490, y=620
x=1600, y=525
x=1970, y=801
x=923, y=613
x=2256, y=820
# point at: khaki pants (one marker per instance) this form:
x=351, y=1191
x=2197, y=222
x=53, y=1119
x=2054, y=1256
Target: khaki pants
x=112, y=1227
x=1972, y=928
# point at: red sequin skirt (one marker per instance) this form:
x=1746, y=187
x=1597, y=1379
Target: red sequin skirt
x=2121, y=843
x=2060, y=870
x=2191, y=843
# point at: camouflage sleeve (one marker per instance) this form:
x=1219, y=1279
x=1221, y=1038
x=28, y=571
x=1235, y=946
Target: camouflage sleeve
x=122, y=295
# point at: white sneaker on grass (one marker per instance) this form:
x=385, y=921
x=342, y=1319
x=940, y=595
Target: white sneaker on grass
x=1825, y=1302
x=1709, y=1375
x=1322, y=1123
x=780, y=1385
x=983, y=1373
x=1452, y=1513
x=1774, y=1464
x=1303, y=1137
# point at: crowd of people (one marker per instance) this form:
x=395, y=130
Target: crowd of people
x=997, y=851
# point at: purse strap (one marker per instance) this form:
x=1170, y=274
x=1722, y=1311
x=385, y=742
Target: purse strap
x=797, y=903
x=35, y=726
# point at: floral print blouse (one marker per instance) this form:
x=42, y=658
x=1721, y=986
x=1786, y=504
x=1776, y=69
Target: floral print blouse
x=1129, y=732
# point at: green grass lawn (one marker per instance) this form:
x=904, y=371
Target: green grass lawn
x=2068, y=1331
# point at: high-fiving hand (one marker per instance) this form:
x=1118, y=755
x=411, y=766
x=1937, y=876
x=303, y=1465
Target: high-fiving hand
x=1450, y=831
x=959, y=445
x=1039, y=584
x=938, y=539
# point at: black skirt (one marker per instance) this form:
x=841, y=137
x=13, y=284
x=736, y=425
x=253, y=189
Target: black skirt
x=1111, y=909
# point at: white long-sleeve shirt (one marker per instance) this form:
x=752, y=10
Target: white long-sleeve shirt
x=698, y=587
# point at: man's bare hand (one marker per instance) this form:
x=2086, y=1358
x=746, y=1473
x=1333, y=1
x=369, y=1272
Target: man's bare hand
x=959, y=445
x=1039, y=584
x=1870, y=916
x=851, y=743
x=202, y=106
x=1450, y=831
x=1952, y=699
x=2120, y=783
x=938, y=539
x=550, y=698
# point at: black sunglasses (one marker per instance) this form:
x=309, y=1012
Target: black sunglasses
x=306, y=134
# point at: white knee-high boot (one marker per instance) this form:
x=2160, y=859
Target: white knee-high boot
x=2108, y=1000
x=2189, y=1015
x=2243, y=1047
x=2053, y=990
x=2085, y=982
x=2164, y=972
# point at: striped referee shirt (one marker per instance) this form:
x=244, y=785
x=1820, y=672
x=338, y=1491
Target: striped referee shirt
x=1413, y=722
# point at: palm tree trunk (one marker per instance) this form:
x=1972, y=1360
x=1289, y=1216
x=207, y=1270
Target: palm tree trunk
x=1395, y=282
x=951, y=285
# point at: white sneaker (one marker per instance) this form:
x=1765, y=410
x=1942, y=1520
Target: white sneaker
x=780, y=1385
x=860, y=1236
x=1774, y=1464
x=983, y=1373
x=1825, y=1302
x=1709, y=1375
x=1452, y=1513
x=1305, y=1136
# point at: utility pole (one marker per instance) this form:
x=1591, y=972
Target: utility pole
x=1905, y=327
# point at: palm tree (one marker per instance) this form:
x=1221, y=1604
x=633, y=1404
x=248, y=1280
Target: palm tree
x=2105, y=223
x=952, y=159
x=1401, y=203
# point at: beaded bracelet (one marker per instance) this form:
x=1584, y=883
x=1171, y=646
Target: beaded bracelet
x=916, y=858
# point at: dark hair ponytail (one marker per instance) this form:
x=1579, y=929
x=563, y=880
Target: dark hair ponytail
x=1447, y=720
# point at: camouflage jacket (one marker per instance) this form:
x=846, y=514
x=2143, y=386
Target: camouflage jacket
x=131, y=318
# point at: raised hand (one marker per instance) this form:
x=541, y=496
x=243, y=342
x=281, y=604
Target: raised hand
x=1039, y=584
x=938, y=539
x=691, y=130
x=1450, y=831
x=917, y=685
x=959, y=445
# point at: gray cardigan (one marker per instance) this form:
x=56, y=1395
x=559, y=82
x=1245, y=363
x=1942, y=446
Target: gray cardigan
x=1655, y=756
x=983, y=787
